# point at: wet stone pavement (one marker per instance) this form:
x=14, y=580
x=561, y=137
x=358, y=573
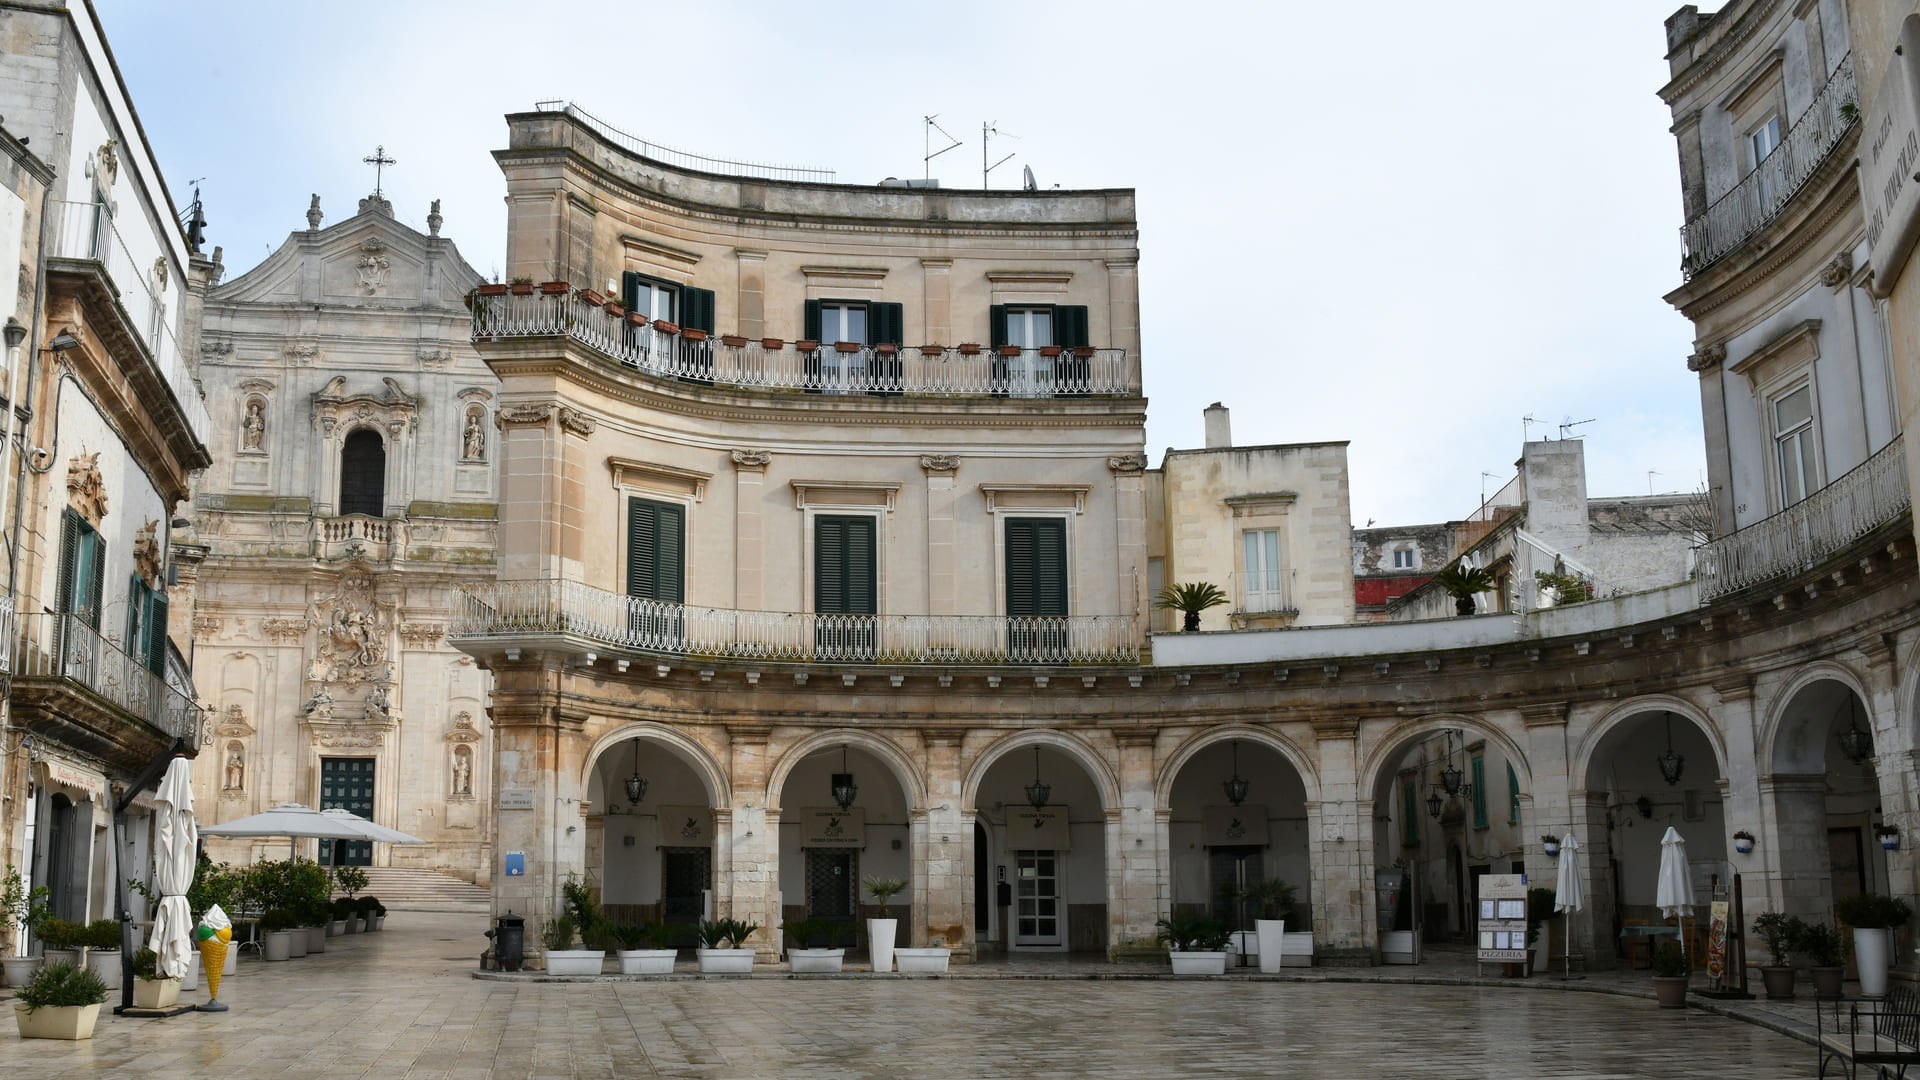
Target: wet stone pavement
x=403, y=1003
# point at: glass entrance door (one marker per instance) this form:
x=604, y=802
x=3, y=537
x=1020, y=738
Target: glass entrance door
x=347, y=783
x=1036, y=899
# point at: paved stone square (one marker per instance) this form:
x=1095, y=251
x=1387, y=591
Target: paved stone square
x=403, y=1004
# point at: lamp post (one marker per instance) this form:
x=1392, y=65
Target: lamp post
x=1671, y=764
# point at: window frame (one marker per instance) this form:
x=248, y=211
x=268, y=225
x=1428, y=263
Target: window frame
x=1808, y=429
x=386, y=463
x=843, y=307
x=814, y=523
x=627, y=538
x=1403, y=558
x=656, y=286
x=1477, y=776
x=1278, y=549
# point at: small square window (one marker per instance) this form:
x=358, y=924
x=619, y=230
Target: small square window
x=1403, y=559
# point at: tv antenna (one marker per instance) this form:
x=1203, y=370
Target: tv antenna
x=1526, y=427
x=926, y=138
x=1570, y=423
x=1484, y=477
x=1651, y=473
x=987, y=130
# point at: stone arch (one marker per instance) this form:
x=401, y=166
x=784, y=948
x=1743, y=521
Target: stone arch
x=1589, y=746
x=695, y=755
x=1906, y=695
x=1246, y=732
x=897, y=761
x=1400, y=734
x=1097, y=767
x=1771, y=737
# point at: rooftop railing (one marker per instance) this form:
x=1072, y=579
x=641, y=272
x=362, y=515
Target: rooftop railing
x=682, y=159
x=65, y=647
x=690, y=356
x=516, y=611
x=1760, y=195
x=86, y=232
x=1811, y=531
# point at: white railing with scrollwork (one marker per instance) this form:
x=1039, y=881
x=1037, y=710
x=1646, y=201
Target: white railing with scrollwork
x=1811, y=531
x=521, y=610
x=1760, y=195
x=663, y=350
x=66, y=647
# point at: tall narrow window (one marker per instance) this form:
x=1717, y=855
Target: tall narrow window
x=1513, y=795
x=363, y=474
x=1264, y=587
x=840, y=321
x=1036, y=556
x=83, y=557
x=656, y=571
x=1409, y=814
x=1793, y=443
x=845, y=586
x=1761, y=141
x=1479, y=791
x=653, y=299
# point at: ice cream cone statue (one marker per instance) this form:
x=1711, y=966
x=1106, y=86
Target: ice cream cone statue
x=214, y=934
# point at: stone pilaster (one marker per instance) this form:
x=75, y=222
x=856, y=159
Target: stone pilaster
x=937, y=295
x=539, y=754
x=1546, y=804
x=1592, y=929
x=1795, y=812
x=1341, y=849
x=750, y=834
x=1130, y=534
x=752, y=317
x=749, y=529
x=942, y=553
x=943, y=851
x=530, y=477
x=1136, y=874
x=1123, y=312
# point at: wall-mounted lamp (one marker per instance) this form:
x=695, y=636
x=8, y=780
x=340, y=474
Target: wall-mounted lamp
x=16, y=332
x=1435, y=804
x=1889, y=836
x=1236, y=788
x=63, y=341
x=1743, y=842
x=1552, y=845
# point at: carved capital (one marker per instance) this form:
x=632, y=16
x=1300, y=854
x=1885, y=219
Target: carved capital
x=204, y=627
x=1127, y=463
x=577, y=422
x=522, y=415
x=1708, y=356
x=282, y=629
x=421, y=635
x=1837, y=272
x=940, y=463
x=1544, y=713
x=752, y=459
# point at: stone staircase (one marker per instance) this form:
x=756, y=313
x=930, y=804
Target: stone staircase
x=408, y=889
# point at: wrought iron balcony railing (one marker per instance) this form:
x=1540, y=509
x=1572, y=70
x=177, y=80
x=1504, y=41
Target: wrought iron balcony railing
x=64, y=647
x=516, y=611
x=1760, y=195
x=665, y=351
x=1811, y=531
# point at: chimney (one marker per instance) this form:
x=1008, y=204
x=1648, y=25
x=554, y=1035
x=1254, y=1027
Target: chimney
x=1219, y=428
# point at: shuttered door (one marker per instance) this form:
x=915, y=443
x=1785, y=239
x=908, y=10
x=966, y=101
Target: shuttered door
x=657, y=571
x=1036, y=554
x=845, y=583
x=348, y=784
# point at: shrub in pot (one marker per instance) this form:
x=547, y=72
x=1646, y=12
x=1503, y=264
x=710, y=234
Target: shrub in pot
x=1196, y=944
x=882, y=929
x=103, y=950
x=721, y=951
x=379, y=914
x=62, y=940
x=1273, y=899
x=807, y=950
x=276, y=934
x=20, y=909
x=646, y=949
x=61, y=1001
x=345, y=912
x=1873, y=918
x=1782, y=934
x=1827, y=948
x=1670, y=975
x=370, y=911
x=151, y=990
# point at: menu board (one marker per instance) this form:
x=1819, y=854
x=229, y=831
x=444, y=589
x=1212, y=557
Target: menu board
x=1500, y=925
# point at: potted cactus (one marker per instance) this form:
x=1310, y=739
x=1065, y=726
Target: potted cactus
x=61, y=1001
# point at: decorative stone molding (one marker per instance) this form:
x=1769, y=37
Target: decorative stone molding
x=1734, y=688
x=86, y=491
x=648, y=476
x=216, y=348
x=282, y=629
x=334, y=738
x=1036, y=497
x=205, y=627
x=577, y=422
x=752, y=459
x=844, y=493
x=1708, y=356
x=301, y=352
x=522, y=416
x=421, y=635
x=1838, y=272
x=940, y=463
x=438, y=357
x=1545, y=714
x=233, y=724
x=356, y=626
x=146, y=553
x=1128, y=463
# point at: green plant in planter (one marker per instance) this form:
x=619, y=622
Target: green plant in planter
x=20, y=907
x=1782, y=934
x=1539, y=910
x=1273, y=898
x=725, y=933
x=602, y=934
x=1190, y=599
x=349, y=879
x=557, y=934
x=1567, y=588
x=275, y=920
x=1463, y=583
x=146, y=965
x=103, y=935
x=884, y=889
x=369, y=906
x=60, y=985
x=344, y=909
x=1670, y=961
x=644, y=935
x=215, y=883
x=1872, y=911
x=802, y=933
x=1193, y=933
x=62, y=934
x=1823, y=943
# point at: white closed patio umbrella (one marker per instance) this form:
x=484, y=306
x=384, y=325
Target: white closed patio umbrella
x=175, y=845
x=1674, y=893
x=1566, y=892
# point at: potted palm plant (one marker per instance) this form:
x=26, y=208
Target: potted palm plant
x=1273, y=899
x=1196, y=944
x=721, y=951
x=563, y=957
x=151, y=990
x=881, y=930
x=103, y=951
x=1190, y=600
x=802, y=955
x=61, y=1001
x=1670, y=975
x=20, y=909
x=646, y=949
x=1782, y=934
x=1873, y=918
x=1824, y=945
x=1463, y=583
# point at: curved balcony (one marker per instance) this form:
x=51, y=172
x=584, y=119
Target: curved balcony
x=665, y=351
x=513, y=615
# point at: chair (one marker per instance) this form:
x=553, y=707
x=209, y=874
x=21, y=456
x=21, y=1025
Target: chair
x=1636, y=946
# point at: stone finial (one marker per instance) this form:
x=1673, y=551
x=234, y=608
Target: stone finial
x=219, y=265
x=434, y=219
x=314, y=216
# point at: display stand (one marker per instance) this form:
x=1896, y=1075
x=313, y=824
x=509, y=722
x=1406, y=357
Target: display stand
x=1500, y=924
x=1727, y=943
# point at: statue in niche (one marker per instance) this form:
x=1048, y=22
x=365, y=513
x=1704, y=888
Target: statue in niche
x=321, y=702
x=236, y=772
x=462, y=772
x=474, y=442
x=255, y=428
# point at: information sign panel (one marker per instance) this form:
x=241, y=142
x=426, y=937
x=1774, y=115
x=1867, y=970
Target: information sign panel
x=1500, y=925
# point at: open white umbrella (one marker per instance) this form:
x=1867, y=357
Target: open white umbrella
x=1674, y=893
x=370, y=830
x=174, y=848
x=290, y=820
x=1566, y=891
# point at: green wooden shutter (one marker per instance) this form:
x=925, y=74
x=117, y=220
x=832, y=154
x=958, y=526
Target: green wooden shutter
x=1479, y=792
x=1070, y=325
x=157, y=634
x=845, y=578
x=1036, y=553
x=656, y=550
x=696, y=308
x=629, y=290
x=137, y=614
x=812, y=331
x=92, y=565
x=69, y=558
x=886, y=324
x=1409, y=815
x=997, y=325
x=1513, y=796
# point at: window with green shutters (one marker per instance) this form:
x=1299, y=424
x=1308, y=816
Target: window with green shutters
x=83, y=556
x=845, y=586
x=1513, y=796
x=656, y=550
x=1409, y=814
x=1036, y=558
x=1479, y=792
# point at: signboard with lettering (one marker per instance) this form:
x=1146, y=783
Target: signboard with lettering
x=1500, y=924
x=516, y=798
x=686, y=826
x=72, y=776
x=1037, y=830
x=516, y=864
x=1231, y=826
x=1889, y=158
x=832, y=827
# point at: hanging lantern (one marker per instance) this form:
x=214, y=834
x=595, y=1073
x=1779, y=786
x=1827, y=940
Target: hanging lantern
x=1037, y=792
x=844, y=791
x=1435, y=804
x=1450, y=777
x=1236, y=788
x=1856, y=742
x=636, y=784
x=1671, y=764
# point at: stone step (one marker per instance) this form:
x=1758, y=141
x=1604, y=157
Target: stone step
x=409, y=889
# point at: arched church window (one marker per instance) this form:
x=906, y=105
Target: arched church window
x=363, y=474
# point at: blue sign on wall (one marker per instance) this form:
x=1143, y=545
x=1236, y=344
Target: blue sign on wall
x=516, y=864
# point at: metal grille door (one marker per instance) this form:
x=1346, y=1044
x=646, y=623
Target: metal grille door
x=1036, y=899
x=833, y=889
x=684, y=874
x=347, y=783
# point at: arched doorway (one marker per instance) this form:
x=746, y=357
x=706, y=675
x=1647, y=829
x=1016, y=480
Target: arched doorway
x=845, y=819
x=1655, y=767
x=650, y=845
x=363, y=474
x=1046, y=826
x=1237, y=818
x=1826, y=800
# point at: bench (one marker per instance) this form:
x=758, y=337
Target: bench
x=1883, y=1035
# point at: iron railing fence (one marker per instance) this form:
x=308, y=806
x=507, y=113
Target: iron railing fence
x=1811, y=531
x=67, y=647
x=698, y=162
x=663, y=350
x=517, y=610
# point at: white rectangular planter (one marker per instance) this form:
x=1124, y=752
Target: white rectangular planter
x=725, y=961
x=575, y=961
x=1400, y=947
x=924, y=961
x=1199, y=963
x=155, y=993
x=56, y=1022
x=1299, y=950
x=647, y=961
x=815, y=961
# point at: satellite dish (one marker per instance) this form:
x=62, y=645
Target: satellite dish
x=1027, y=182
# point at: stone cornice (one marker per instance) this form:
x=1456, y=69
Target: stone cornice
x=1746, y=24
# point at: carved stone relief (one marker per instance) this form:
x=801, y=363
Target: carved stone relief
x=355, y=628
x=373, y=265
x=86, y=491
x=146, y=553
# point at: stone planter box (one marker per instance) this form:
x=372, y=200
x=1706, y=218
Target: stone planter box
x=156, y=993
x=297, y=942
x=62, y=1022
x=1198, y=963
x=1299, y=950
x=647, y=961
x=815, y=961
x=725, y=961
x=575, y=961
x=931, y=961
x=317, y=938
x=353, y=923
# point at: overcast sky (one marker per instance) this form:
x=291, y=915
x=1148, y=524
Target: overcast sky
x=1404, y=224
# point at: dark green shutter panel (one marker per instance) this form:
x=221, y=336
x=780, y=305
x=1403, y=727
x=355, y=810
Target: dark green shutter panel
x=640, y=548
x=1020, y=597
x=696, y=309
x=862, y=585
x=629, y=290
x=845, y=579
x=887, y=323
x=1036, y=566
x=656, y=550
x=157, y=635
x=137, y=613
x=1070, y=325
x=95, y=565
x=997, y=325
x=69, y=557
x=812, y=332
